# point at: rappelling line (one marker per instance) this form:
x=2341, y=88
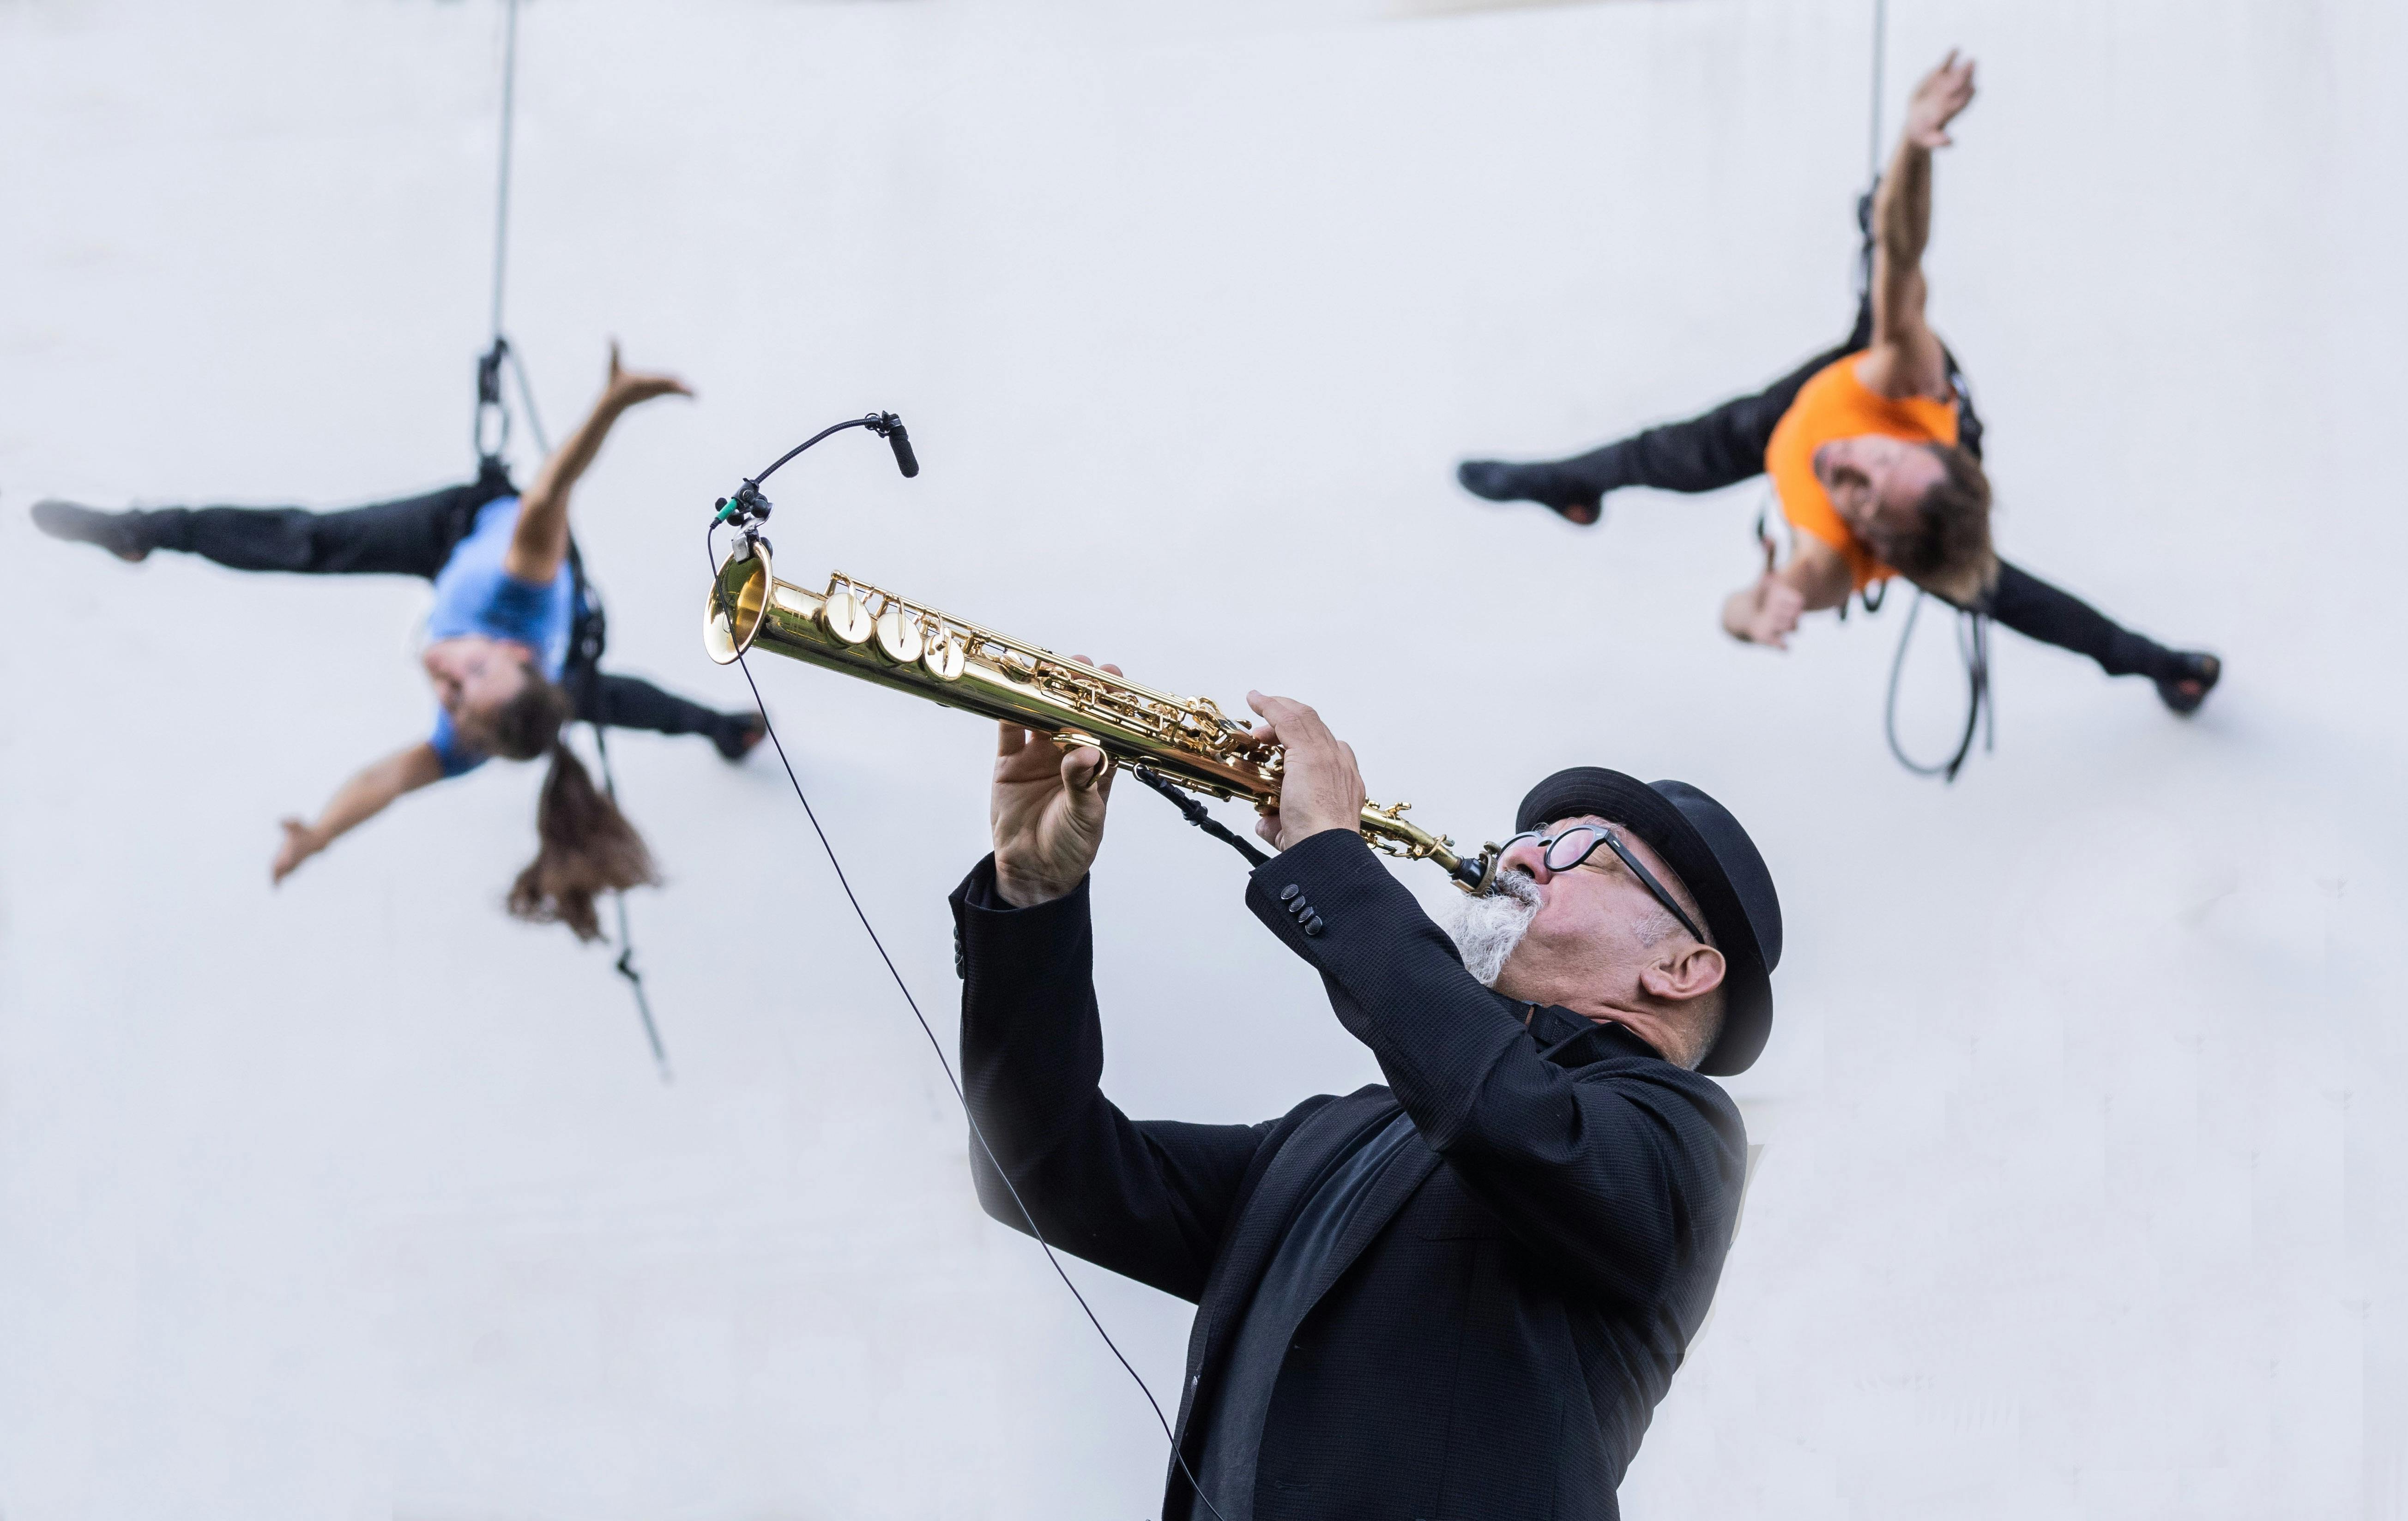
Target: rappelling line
x=1872, y=153
x=489, y=367
x=1973, y=626
x=588, y=629
x=502, y=187
x=1880, y=57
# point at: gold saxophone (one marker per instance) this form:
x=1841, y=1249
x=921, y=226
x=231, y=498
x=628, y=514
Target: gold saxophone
x=866, y=631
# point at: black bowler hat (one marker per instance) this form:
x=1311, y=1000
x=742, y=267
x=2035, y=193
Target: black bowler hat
x=1713, y=857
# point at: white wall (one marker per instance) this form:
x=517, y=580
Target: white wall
x=2081, y=1189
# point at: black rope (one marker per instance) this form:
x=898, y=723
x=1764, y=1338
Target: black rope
x=626, y=964
x=1193, y=812
x=1974, y=648
x=935, y=1046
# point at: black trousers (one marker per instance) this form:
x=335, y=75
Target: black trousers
x=414, y=537
x=1725, y=445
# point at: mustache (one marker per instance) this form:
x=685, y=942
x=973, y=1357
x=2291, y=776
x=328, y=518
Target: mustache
x=1516, y=884
x=1486, y=929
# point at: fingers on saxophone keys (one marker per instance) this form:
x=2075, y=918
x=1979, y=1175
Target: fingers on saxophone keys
x=1082, y=768
x=1290, y=720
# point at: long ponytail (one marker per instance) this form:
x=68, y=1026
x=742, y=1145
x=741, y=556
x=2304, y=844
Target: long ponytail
x=585, y=846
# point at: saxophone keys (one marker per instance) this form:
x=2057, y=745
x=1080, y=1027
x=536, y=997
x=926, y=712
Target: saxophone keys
x=846, y=617
x=898, y=634
x=944, y=658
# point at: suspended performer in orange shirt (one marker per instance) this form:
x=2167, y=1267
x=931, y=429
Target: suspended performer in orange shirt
x=1875, y=453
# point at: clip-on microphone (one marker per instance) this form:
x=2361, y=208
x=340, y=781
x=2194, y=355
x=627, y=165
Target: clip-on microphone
x=890, y=427
x=748, y=509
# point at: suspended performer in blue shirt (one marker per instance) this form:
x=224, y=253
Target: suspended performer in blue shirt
x=498, y=654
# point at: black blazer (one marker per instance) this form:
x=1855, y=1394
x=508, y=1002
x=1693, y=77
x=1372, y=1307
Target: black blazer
x=1496, y=1327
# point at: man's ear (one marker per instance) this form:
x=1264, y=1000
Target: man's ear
x=1692, y=972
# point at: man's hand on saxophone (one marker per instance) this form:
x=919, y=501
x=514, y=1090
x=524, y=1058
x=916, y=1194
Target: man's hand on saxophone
x=1321, y=787
x=1047, y=813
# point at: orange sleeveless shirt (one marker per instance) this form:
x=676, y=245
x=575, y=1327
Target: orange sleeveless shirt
x=1836, y=404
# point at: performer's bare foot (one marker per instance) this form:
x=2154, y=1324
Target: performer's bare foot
x=2197, y=674
x=118, y=532
x=1549, y=485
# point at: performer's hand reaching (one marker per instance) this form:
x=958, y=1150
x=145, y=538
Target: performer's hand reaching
x=1945, y=92
x=1766, y=613
x=1047, y=812
x=626, y=388
x=301, y=842
x=1321, y=787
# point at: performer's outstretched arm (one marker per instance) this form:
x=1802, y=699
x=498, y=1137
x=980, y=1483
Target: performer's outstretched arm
x=355, y=802
x=1906, y=359
x=541, y=541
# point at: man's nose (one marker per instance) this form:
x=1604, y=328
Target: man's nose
x=1529, y=856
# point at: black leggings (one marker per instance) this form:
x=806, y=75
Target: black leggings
x=1715, y=448
x=1725, y=446
x=414, y=537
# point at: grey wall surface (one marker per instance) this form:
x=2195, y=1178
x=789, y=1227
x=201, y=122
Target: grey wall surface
x=2081, y=1180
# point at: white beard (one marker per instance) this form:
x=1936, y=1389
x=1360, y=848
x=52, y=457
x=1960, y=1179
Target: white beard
x=1488, y=928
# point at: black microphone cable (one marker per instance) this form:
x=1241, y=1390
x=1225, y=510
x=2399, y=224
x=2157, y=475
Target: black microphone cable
x=903, y=458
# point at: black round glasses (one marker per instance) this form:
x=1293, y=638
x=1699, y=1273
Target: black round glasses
x=1573, y=847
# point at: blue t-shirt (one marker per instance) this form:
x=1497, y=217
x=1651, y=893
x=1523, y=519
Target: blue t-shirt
x=473, y=594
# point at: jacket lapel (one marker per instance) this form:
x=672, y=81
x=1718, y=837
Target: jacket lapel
x=1564, y=1037
x=1262, y=1225
x=1411, y=1168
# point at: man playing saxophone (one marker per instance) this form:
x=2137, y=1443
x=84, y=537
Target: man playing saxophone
x=1463, y=1292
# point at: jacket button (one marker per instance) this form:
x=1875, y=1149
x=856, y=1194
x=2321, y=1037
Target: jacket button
x=1313, y=926
x=1289, y=892
x=1298, y=909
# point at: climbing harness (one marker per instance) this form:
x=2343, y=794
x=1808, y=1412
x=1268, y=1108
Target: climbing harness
x=588, y=629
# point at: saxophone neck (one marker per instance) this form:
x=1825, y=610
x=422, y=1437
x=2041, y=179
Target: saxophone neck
x=1388, y=831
